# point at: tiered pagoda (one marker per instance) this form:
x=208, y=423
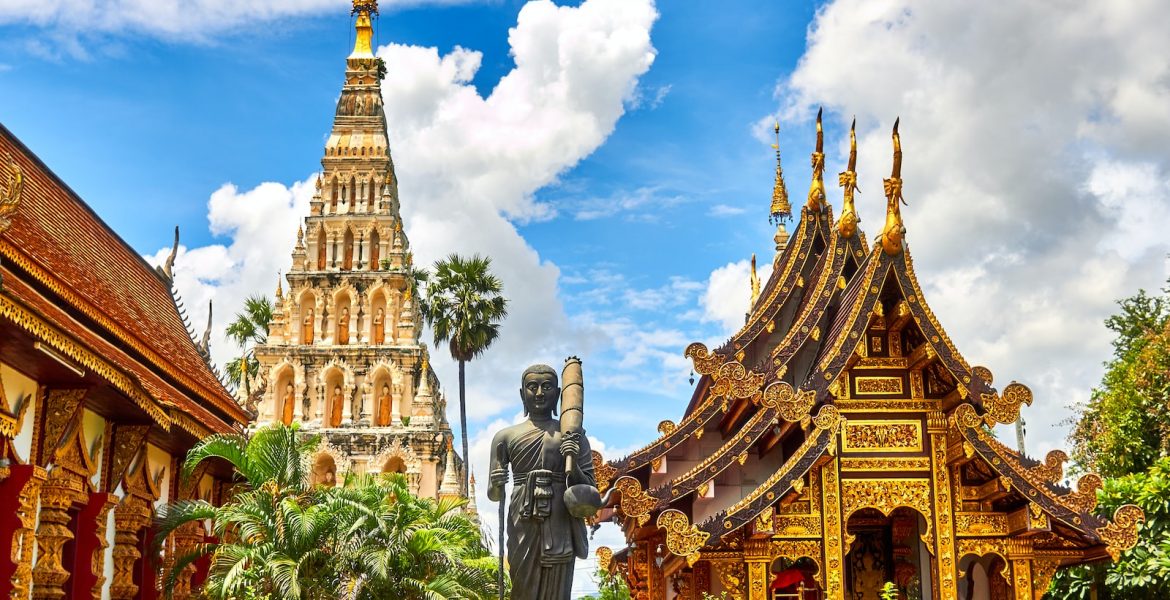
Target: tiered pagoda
x=343, y=356
x=103, y=390
x=839, y=440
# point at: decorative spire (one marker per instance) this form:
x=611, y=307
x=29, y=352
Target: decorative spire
x=279, y=289
x=363, y=43
x=471, y=507
x=894, y=230
x=816, y=190
x=167, y=270
x=847, y=226
x=205, y=343
x=781, y=209
x=755, y=285
x=300, y=236
x=450, y=485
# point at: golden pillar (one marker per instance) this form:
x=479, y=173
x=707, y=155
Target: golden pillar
x=1020, y=555
x=131, y=516
x=833, y=528
x=185, y=539
x=58, y=497
x=24, y=538
x=756, y=555
x=944, y=523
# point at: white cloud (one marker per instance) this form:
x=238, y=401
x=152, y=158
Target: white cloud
x=170, y=19
x=1035, y=167
x=725, y=301
x=724, y=210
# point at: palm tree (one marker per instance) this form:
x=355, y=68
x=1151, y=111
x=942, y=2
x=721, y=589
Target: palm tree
x=281, y=537
x=463, y=306
x=249, y=330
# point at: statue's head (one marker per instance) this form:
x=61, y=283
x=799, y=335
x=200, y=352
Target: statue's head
x=337, y=390
x=385, y=389
x=379, y=312
x=345, y=310
x=288, y=388
x=539, y=389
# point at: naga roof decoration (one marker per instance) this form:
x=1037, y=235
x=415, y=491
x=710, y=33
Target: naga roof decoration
x=841, y=352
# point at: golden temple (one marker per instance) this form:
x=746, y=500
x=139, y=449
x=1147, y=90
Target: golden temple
x=839, y=441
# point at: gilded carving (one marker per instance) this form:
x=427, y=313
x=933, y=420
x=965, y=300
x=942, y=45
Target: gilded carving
x=1084, y=500
x=1022, y=579
x=733, y=380
x=1042, y=572
x=604, y=558
x=125, y=444
x=62, y=410
x=878, y=385
x=1121, y=534
x=666, y=427
x=983, y=547
x=882, y=436
x=24, y=538
x=682, y=538
x=885, y=495
x=731, y=575
x=704, y=360
x=603, y=471
x=943, y=506
x=635, y=502
x=973, y=524
x=797, y=526
x=886, y=464
x=794, y=549
x=10, y=195
x=1005, y=408
x=1052, y=470
x=68, y=485
x=758, y=580
x=833, y=528
x=791, y=405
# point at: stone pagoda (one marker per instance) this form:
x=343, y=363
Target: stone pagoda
x=343, y=356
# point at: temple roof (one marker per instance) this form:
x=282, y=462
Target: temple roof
x=96, y=279
x=781, y=376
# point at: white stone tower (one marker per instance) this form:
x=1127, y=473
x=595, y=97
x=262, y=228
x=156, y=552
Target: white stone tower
x=343, y=356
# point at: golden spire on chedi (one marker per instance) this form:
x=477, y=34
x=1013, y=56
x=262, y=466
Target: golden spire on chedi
x=894, y=230
x=781, y=209
x=363, y=43
x=847, y=226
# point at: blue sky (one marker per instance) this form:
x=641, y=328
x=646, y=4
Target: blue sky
x=620, y=188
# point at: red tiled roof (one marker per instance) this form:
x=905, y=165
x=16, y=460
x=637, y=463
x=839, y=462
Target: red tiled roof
x=62, y=243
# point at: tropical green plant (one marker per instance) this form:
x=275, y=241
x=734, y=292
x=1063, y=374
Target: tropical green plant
x=248, y=330
x=1125, y=428
x=889, y=591
x=281, y=537
x=464, y=305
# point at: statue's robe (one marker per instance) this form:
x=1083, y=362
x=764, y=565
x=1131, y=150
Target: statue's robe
x=385, y=410
x=287, y=414
x=335, y=411
x=543, y=538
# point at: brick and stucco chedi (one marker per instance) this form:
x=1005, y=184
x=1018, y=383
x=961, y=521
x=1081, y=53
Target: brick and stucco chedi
x=343, y=356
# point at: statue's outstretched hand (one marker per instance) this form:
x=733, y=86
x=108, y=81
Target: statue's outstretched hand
x=571, y=444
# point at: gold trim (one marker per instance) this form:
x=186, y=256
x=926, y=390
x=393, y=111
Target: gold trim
x=879, y=385
x=886, y=464
x=682, y=538
x=39, y=328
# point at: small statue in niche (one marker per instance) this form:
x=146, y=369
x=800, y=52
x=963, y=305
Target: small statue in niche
x=343, y=326
x=384, y=407
x=287, y=405
x=307, y=326
x=379, y=327
x=335, y=407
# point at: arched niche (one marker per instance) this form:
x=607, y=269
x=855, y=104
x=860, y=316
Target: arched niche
x=322, y=249
x=379, y=316
x=394, y=464
x=888, y=544
x=386, y=408
x=306, y=327
x=333, y=185
x=336, y=391
x=284, y=394
x=344, y=317
x=375, y=249
x=347, y=250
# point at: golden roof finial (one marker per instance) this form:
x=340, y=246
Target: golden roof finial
x=279, y=287
x=363, y=43
x=781, y=210
x=816, y=190
x=755, y=285
x=894, y=231
x=847, y=226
